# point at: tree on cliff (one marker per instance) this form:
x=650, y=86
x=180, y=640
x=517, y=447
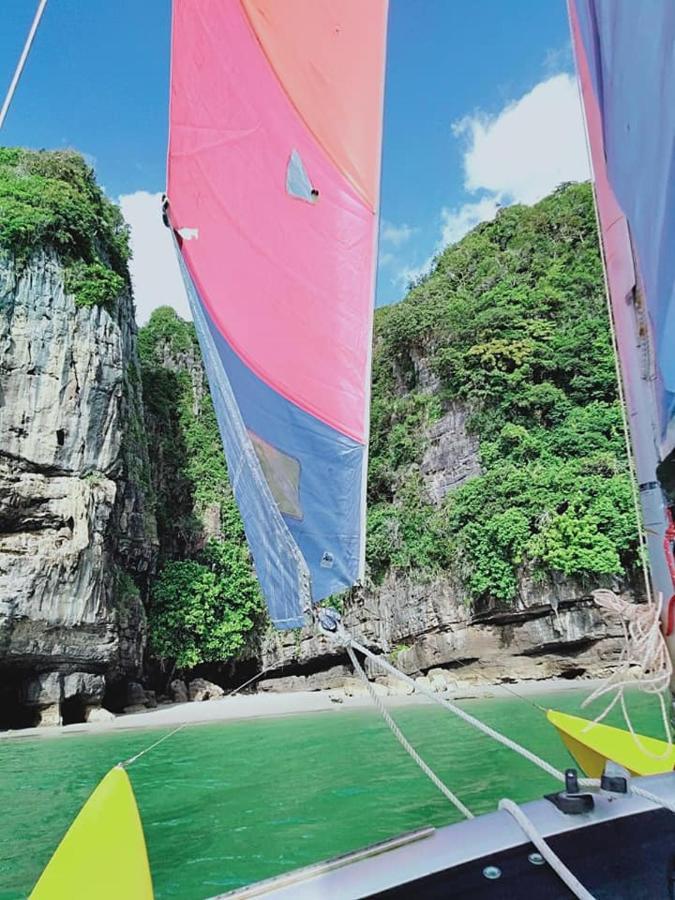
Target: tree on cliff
x=49, y=200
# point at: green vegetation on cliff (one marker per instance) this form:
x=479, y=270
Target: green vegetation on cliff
x=512, y=325
x=205, y=609
x=205, y=604
x=50, y=200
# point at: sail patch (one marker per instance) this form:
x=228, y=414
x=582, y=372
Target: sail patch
x=282, y=473
x=297, y=180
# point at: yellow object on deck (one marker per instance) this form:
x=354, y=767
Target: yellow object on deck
x=103, y=853
x=592, y=744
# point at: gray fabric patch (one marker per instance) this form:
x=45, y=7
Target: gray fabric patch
x=297, y=181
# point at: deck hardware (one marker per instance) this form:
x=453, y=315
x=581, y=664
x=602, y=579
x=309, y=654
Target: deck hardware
x=571, y=801
x=614, y=779
x=492, y=872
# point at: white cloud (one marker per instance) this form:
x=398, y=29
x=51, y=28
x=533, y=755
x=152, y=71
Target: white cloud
x=155, y=274
x=517, y=156
x=395, y=234
x=532, y=146
x=409, y=274
x=457, y=222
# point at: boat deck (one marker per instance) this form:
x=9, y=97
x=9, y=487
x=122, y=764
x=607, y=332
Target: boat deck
x=623, y=849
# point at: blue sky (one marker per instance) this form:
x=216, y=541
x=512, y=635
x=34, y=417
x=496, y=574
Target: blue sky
x=473, y=89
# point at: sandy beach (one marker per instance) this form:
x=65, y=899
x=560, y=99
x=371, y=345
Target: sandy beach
x=270, y=705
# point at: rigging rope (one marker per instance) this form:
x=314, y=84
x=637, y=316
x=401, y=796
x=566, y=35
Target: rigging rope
x=349, y=641
x=345, y=638
x=407, y=746
x=22, y=61
x=554, y=861
x=132, y=759
x=527, y=826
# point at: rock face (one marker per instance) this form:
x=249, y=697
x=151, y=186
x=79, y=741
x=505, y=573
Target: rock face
x=75, y=528
x=451, y=456
x=179, y=691
x=427, y=627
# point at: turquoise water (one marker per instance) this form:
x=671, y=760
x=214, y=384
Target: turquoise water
x=224, y=805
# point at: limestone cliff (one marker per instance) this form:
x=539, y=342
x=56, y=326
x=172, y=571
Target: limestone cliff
x=75, y=527
x=77, y=531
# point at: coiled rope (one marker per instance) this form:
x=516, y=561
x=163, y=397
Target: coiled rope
x=645, y=660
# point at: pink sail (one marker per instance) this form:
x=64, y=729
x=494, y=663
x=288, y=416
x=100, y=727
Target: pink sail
x=273, y=175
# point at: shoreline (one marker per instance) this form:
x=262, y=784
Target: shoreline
x=263, y=705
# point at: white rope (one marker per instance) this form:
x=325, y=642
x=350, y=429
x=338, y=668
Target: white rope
x=554, y=861
x=22, y=62
x=644, y=661
x=407, y=746
x=132, y=759
x=638, y=791
x=507, y=805
x=348, y=641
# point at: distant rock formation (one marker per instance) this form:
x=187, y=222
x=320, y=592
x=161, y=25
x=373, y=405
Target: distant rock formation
x=77, y=534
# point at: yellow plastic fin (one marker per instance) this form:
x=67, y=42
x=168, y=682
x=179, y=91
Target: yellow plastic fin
x=103, y=853
x=591, y=744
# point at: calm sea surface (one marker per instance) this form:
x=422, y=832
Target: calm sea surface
x=224, y=805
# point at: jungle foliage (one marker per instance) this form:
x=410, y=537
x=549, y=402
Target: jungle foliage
x=49, y=200
x=205, y=604
x=512, y=325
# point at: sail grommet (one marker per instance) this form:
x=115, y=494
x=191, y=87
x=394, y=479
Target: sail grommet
x=165, y=211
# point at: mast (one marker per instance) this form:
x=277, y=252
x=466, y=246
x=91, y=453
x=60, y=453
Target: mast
x=22, y=61
x=625, y=86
